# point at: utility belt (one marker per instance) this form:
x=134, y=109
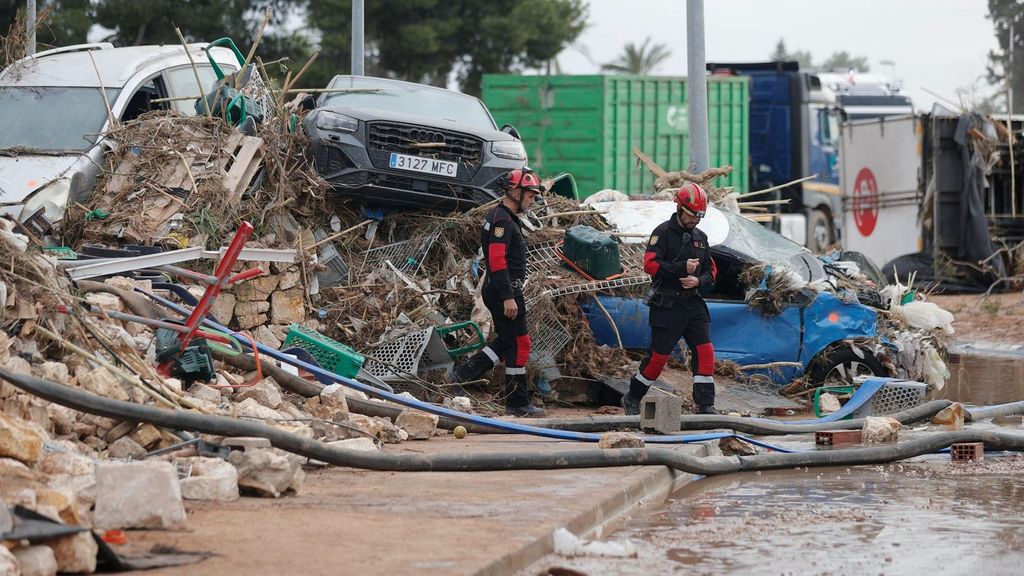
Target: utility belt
x=667, y=298
x=517, y=285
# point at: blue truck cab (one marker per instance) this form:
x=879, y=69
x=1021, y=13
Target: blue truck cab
x=794, y=132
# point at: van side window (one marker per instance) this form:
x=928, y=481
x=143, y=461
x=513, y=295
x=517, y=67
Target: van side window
x=142, y=100
x=182, y=84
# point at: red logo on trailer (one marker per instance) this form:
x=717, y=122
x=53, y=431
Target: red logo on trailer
x=865, y=202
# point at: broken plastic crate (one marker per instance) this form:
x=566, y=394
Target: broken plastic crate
x=411, y=354
x=330, y=354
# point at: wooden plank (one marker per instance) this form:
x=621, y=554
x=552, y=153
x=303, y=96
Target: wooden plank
x=247, y=161
x=123, y=176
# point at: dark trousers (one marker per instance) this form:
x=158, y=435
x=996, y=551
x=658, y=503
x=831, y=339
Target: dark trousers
x=510, y=343
x=690, y=321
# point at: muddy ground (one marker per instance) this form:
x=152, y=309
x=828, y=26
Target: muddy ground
x=997, y=318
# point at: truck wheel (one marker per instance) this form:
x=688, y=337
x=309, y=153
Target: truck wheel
x=839, y=367
x=820, y=234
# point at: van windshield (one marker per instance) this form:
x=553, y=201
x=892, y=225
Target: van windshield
x=381, y=94
x=51, y=119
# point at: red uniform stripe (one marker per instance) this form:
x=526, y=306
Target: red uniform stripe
x=651, y=265
x=714, y=269
x=522, y=349
x=706, y=359
x=496, y=256
x=654, y=366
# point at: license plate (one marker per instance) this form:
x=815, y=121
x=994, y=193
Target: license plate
x=425, y=165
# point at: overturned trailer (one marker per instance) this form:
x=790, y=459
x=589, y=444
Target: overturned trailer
x=934, y=194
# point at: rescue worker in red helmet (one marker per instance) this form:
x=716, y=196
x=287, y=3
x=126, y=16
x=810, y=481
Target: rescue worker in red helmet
x=504, y=251
x=679, y=261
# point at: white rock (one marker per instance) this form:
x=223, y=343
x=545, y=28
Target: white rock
x=367, y=424
x=266, y=392
x=6, y=519
x=8, y=563
x=211, y=479
x=142, y=494
x=125, y=448
x=620, y=440
x=460, y=404
x=104, y=301
x=356, y=394
x=36, y=561
x=288, y=306
x=333, y=396
x=19, y=440
x=883, y=429
x=267, y=473
x=204, y=392
x=362, y=444
x=54, y=372
x=829, y=403
x=101, y=382
x=419, y=425
x=75, y=554
x=250, y=408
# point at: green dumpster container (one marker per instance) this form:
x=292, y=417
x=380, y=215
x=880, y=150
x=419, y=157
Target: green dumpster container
x=588, y=125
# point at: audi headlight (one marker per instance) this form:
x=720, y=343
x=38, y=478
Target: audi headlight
x=513, y=150
x=52, y=198
x=336, y=122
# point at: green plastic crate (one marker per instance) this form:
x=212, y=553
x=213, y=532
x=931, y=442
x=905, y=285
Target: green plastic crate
x=596, y=253
x=329, y=353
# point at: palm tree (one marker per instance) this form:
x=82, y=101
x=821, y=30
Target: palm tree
x=639, y=61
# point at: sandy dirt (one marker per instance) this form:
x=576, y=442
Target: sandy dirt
x=997, y=318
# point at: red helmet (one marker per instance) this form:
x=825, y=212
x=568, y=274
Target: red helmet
x=526, y=179
x=692, y=198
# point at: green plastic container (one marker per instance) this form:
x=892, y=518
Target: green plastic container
x=330, y=354
x=588, y=126
x=596, y=253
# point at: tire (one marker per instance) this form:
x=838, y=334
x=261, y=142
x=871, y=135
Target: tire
x=838, y=366
x=820, y=232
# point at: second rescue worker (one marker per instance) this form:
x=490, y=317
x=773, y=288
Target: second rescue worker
x=505, y=256
x=678, y=258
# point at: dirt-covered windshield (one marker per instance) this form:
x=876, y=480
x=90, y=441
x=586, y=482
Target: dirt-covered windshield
x=51, y=119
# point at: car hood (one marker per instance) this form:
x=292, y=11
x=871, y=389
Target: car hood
x=23, y=174
x=374, y=114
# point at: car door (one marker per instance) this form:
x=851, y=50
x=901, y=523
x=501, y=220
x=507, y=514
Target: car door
x=745, y=335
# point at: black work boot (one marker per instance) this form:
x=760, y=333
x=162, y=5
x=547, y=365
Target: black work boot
x=704, y=397
x=631, y=399
x=518, y=402
x=473, y=368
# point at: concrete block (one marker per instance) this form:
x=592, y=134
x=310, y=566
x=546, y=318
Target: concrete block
x=660, y=413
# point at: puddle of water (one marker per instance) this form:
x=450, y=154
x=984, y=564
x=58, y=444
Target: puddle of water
x=892, y=519
x=984, y=379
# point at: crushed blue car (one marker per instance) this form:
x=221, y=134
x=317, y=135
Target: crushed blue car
x=812, y=333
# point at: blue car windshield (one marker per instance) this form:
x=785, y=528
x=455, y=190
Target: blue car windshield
x=389, y=96
x=759, y=243
x=51, y=119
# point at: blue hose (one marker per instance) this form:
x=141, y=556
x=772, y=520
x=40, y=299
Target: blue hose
x=320, y=373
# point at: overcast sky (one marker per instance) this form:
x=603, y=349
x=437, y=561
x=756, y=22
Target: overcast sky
x=940, y=45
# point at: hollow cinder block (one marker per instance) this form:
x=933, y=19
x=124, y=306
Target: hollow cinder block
x=660, y=413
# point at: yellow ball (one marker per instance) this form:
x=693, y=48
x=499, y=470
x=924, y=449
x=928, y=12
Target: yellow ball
x=460, y=432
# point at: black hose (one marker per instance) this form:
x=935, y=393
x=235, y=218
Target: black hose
x=756, y=426
x=985, y=412
x=584, y=458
